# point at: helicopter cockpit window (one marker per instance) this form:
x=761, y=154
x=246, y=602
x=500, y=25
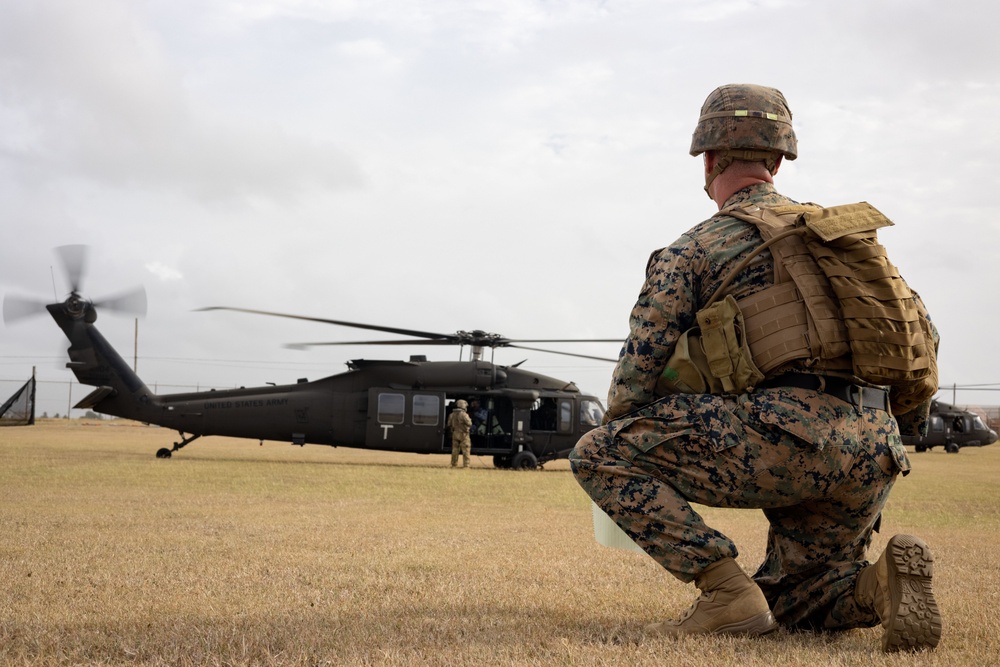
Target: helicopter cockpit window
x=390, y=408
x=591, y=413
x=977, y=424
x=426, y=410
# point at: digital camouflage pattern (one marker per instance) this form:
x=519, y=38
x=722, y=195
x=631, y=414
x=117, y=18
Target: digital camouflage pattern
x=820, y=469
x=745, y=117
x=679, y=281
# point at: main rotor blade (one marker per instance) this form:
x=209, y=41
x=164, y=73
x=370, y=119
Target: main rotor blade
x=132, y=302
x=567, y=354
x=17, y=308
x=302, y=346
x=564, y=340
x=356, y=325
x=74, y=262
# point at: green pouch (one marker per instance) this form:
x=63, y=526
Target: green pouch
x=687, y=369
x=726, y=348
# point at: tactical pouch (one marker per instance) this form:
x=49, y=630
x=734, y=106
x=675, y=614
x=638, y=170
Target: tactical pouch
x=712, y=358
x=687, y=369
x=726, y=349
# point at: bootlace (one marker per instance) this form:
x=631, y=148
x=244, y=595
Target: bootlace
x=690, y=610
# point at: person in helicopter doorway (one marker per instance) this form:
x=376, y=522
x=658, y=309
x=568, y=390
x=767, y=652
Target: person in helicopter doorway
x=761, y=376
x=459, y=423
x=479, y=415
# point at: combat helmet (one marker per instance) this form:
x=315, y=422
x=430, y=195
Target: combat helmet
x=744, y=122
x=461, y=404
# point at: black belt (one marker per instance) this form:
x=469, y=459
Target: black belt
x=845, y=390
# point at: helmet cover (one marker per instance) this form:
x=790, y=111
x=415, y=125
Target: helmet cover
x=745, y=117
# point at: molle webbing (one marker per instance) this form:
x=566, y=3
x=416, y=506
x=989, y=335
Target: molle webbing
x=838, y=301
x=798, y=317
x=779, y=330
x=890, y=340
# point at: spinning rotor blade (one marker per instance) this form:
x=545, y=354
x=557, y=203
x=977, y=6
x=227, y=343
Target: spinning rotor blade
x=73, y=259
x=567, y=354
x=564, y=340
x=356, y=325
x=436, y=341
x=74, y=263
x=303, y=346
x=132, y=302
x=17, y=308
x=473, y=338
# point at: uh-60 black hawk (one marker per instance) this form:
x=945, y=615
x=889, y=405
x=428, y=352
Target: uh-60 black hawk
x=952, y=428
x=521, y=418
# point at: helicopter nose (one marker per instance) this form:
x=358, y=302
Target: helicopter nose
x=992, y=437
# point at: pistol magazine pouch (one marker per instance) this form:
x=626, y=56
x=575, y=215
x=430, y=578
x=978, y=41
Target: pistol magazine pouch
x=713, y=357
x=726, y=348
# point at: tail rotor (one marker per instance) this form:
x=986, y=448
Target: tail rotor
x=73, y=260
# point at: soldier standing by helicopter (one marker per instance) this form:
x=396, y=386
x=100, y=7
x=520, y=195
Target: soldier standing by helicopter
x=749, y=381
x=460, y=425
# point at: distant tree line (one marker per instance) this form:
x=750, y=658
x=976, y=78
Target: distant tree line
x=89, y=414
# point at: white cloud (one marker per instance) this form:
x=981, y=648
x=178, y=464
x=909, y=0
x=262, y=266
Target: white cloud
x=107, y=105
x=164, y=272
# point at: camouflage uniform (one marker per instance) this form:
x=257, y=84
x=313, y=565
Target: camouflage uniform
x=460, y=424
x=820, y=468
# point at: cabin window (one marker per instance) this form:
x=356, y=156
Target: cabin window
x=936, y=424
x=390, y=408
x=426, y=410
x=543, y=415
x=591, y=413
x=565, y=416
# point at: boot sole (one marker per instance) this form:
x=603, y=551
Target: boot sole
x=755, y=626
x=914, y=621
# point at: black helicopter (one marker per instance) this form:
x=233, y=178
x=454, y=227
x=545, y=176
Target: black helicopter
x=521, y=418
x=952, y=428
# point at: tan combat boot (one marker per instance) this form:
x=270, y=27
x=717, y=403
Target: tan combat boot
x=898, y=588
x=730, y=604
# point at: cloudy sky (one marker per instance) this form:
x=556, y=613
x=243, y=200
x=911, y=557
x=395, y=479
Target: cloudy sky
x=504, y=165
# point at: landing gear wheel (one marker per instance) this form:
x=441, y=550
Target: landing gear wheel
x=951, y=448
x=920, y=448
x=501, y=461
x=163, y=453
x=524, y=461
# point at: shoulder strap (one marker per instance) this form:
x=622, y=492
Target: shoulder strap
x=775, y=224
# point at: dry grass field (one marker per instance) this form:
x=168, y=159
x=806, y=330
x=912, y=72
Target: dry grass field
x=235, y=554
